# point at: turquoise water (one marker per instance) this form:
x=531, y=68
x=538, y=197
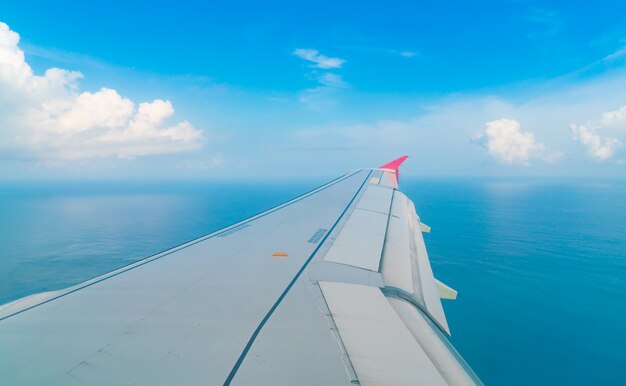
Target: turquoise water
x=540, y=266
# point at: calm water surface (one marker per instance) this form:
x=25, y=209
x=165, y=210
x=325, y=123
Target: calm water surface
x=540, y=266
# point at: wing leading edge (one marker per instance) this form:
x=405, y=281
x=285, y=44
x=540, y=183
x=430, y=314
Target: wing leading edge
x=333, y=287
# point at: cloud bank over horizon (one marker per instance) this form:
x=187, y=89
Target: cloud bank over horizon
x=555, y=126
x=49, y=117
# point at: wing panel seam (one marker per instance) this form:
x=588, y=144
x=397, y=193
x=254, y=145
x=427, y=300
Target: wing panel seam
x=256, y=332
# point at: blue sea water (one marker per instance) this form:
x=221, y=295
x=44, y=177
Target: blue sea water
x=540, y=265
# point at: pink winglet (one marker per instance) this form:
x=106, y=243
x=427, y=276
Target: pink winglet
x=395, y=165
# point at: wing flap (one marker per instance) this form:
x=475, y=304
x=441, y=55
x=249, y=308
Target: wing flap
x=381, y=348
x=360, y=241
x=428, y=289
x=397, y=267
x=405, y=264
x=444, y=357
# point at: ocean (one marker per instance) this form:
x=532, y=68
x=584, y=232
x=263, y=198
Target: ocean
x=540, y=264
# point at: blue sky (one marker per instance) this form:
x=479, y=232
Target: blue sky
x=502, y=88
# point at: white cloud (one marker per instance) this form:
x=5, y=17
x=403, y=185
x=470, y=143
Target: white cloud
x=436, y=131
x=48, y=115
x=548, y=23
x=620, y=53
x=332, y=80
x=318, y=98
x=408, y=54
x=602, y=147
x=103, y=109
x=318, y=60
x=505, y=142
x=323, y=95
x=615, y=117
x=598, y=148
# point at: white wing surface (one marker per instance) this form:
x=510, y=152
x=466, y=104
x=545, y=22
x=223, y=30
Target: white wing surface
x=331, y=288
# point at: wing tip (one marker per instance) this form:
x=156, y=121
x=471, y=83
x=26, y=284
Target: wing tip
x=395, y=165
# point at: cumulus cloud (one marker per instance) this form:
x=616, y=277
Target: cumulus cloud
x=318, y=60
x=601, y=138
x=48, y=114
x=599, y=148
x=507, y=143
x=615, y=117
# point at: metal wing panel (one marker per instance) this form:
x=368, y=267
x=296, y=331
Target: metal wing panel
x=360, y=242
x=182, y=318
x=428, y=286
x=451, y=366
x=405, y=264
x=297, y=346
x=381, y=348
x=384, y=340
x=396, y=261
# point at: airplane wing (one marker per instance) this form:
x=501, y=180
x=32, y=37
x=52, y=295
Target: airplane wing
x=333, y=287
